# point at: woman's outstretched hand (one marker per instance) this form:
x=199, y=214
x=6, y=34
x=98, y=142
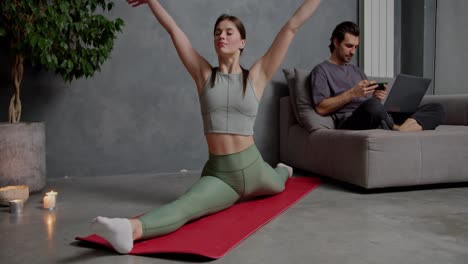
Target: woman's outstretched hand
x=136, y=3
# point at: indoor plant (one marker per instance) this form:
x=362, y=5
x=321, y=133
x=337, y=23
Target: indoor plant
x=71, y=38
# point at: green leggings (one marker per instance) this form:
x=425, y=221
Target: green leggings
x=225, y=180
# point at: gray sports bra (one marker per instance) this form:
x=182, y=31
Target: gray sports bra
x=225, y=109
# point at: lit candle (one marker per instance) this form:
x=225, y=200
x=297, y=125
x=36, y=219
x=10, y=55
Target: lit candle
x=49, y=200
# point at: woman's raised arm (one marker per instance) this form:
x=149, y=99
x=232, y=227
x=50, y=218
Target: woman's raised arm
x=195, y=64
x=264, y=69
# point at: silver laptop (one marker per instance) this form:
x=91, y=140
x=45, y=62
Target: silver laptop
x=406, y=94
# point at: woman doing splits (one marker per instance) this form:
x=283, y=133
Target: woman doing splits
x=229, y=97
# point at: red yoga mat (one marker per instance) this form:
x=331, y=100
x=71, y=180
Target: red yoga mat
x=214, y=235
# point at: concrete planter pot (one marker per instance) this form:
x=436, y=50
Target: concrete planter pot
x=22, y=155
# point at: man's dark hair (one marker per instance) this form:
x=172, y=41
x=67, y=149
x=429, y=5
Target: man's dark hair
x=340, y=32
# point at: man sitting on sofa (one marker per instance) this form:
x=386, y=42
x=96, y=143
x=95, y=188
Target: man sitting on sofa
x=341, y=89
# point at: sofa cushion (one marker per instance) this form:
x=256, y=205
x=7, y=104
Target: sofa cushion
x=289, y=74
x=301, y=101
x=311, y=120
x=455, y=105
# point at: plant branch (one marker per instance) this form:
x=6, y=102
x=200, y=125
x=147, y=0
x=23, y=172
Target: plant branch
x=15, y=102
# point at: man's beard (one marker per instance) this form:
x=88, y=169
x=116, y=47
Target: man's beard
x=347, y=58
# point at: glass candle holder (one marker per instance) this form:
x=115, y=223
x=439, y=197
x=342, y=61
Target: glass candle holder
x=16, y=206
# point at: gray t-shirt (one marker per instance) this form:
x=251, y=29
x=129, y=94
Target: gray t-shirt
x=329, y=80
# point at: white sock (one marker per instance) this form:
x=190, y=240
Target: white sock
x=117, y=231
x=290, y=169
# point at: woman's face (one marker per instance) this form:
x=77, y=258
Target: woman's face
x=227, y=39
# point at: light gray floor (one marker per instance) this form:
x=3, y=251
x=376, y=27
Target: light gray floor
x=330, y=225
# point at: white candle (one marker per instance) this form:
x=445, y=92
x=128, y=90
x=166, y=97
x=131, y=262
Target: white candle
x=52, y=193
x=49, y=200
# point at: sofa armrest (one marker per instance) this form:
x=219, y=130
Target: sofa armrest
x=456, y=107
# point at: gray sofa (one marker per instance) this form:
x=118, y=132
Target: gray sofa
x=372, y=158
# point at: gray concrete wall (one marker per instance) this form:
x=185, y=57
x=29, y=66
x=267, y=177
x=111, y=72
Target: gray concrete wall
x=451, y=43
x=140, y=113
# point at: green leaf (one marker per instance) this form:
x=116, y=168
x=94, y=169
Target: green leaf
x=42, y=43
x=48, y=59
x=64, y=6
